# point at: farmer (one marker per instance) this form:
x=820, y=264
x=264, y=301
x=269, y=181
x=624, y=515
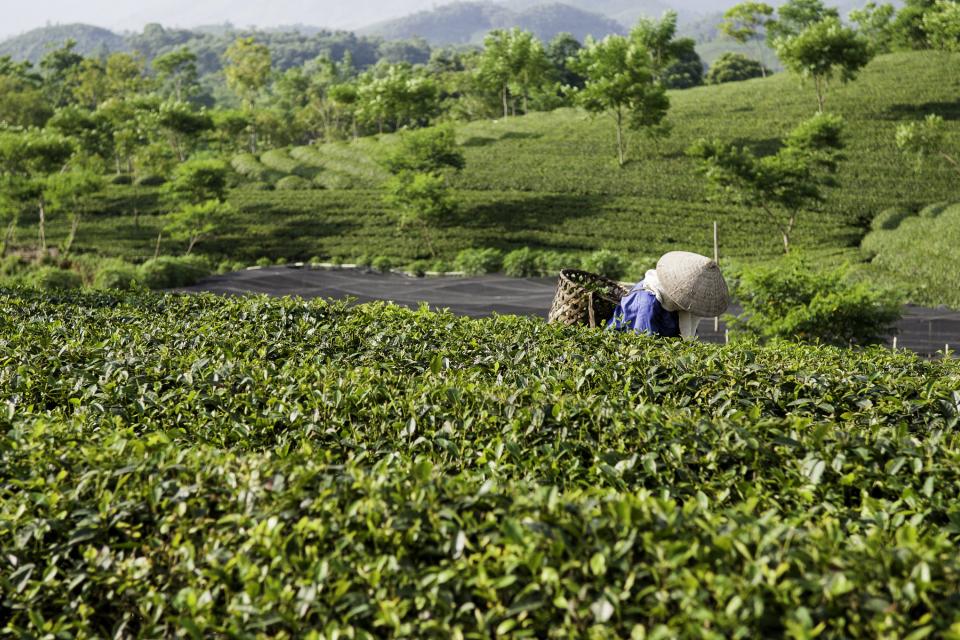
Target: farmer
x=671, y=300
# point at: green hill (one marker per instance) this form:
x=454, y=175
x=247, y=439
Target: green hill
x=550, y=181
x=469, y=22
x=35, y=44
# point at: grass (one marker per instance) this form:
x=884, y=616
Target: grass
x=921, y=256
x=550, y=180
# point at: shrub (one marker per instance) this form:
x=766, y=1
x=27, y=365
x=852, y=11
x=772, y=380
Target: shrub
x=606, y=263
x=788, y=300
x=151, y=181
x=552, y=262
x=934, y=210
x=336, y=261
x=418, y=268
x=890, y=219
x=121, y=179
x=264, y=262
x=441, y=267
x=476, y=262
x=733, y=67
x=294, y=183
x=381, y=264
x=167, y=272
x=639, y=267
x=53, y=278
x=11, y=266
x=363, y=261
x=281, y=261
x=115, y=274
x=521, y=263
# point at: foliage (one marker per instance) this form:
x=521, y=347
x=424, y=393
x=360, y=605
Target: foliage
x=919, y=256
x=607, y=263
x=489, y=474
x=382, y=264
x=522, y=263
x=421, y=200
x=875, y=23
x=198, y=181
x=926, y=139
x=427, y=151
x=824, y=50
x=734, y=67
x=115, y=275
x=745, y=22
x=622, y=82
x=781, y=184
x=248, y=68
x=791, y=301
x=53, y=279
x=167, y=272
x=293, y=183
x=194, y=222
x=942, y=25
x=478, y=262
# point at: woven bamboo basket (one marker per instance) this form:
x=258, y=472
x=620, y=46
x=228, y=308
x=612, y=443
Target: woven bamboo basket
x=585, y=298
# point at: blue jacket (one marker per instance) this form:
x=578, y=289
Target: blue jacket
x=640, y=311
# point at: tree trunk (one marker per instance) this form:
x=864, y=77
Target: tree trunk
x=68, y=243
x=8, y=238
x=506, y=107
x=621, y=152
x=818, y=81
x=156, y=253
x=951, y=160
x=787, y=231
x=43, y=224
x=193, y=242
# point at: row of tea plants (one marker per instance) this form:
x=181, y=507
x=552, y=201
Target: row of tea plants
x=249, y=467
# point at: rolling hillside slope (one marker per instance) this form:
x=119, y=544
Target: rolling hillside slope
x=35, y=44
x=551, y=181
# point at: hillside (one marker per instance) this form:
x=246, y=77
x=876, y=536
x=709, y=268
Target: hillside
x=550, y=181
x=35, y=44
x=469, y=22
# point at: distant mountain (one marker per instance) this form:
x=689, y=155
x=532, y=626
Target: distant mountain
x=468, y=22
x=626, y=12
x=34, y=45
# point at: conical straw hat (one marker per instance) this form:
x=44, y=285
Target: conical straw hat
x=694, y=283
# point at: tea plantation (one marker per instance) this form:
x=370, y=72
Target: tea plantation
x=551, y=181
x=253, y=467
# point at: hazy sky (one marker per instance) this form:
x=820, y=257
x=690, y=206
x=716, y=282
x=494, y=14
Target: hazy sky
x=22, y=15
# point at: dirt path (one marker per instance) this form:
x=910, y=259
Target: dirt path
x=925, y=331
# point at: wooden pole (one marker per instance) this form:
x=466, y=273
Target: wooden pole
x=716, y=258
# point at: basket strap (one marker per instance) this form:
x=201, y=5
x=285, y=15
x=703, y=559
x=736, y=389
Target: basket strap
x=593, y=320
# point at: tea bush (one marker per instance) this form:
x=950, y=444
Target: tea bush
x=606, y=263
x=478, y=262
x=167, y=272
x=175, y=465
x=53, y=278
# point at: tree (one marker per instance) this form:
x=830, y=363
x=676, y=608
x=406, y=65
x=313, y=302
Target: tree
x=795, y=16
x=65, y=192
x=658, y=38
x=248, y=68
x=621, y=82
x=908, y=29
x=780, y=185
x=194, y=222
x=687, y=68
x=514, y=62
x=733, y=67
x=22, y=100
x=822, y=51
x=562, y=54
x=183, y=126
x=746, y=22
x=197, y=181
x=875, y=23
x=396, y=95
x=124, y=75
x=177, y=73
x=418, y=190
x=61, y=68
x=28, y=160
x=942, y=25
x=926, y=139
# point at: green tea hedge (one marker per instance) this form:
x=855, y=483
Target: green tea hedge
x=242, y=467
